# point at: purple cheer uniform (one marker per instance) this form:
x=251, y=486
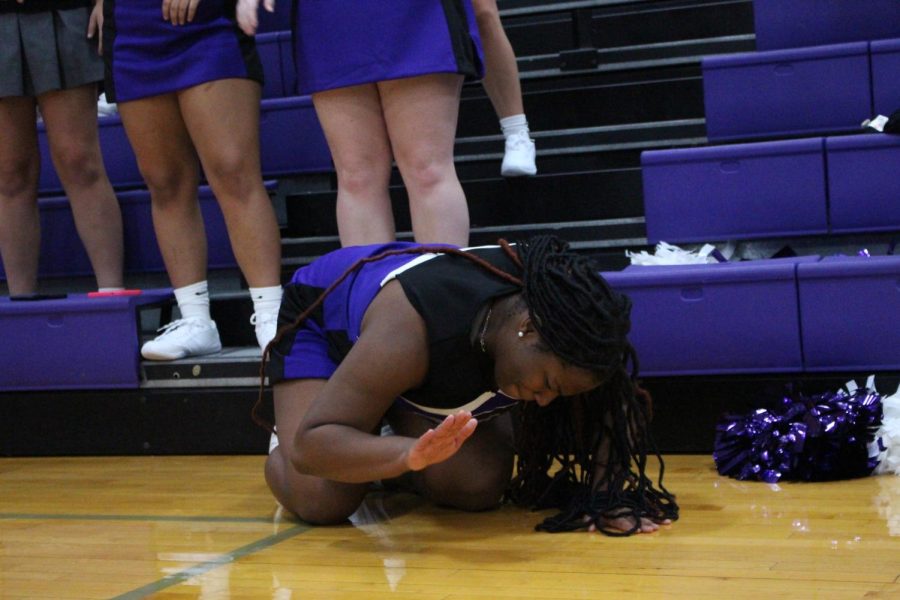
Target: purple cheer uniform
x=147, y=56
x=340, y=43
x=447, y=291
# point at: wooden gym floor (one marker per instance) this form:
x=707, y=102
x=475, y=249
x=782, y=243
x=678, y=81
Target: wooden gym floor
x=206, y=527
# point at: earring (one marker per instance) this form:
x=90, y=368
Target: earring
x=521, y=333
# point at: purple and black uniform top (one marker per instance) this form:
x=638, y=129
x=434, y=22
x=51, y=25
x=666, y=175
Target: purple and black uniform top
x=447, y=291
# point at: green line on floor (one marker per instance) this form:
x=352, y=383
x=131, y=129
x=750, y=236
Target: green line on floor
x=158, y=518
x=205, y=567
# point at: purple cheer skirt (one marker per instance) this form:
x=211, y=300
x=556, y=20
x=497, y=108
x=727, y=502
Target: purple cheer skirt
x=147, y=56
x=339, y=43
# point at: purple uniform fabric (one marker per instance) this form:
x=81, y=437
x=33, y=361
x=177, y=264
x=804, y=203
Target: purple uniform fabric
x=339, y=43
x=147, y=56
x=342, y=311
x=316, y=348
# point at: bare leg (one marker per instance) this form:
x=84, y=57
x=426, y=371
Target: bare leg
x=223, y=120
x=311, y=498
x=421, y=115
x=501, y=77
x=20, y=226
x=472, y=479
x=354, y=126
x=169, y=166
x=71, y=120
x=501, y=82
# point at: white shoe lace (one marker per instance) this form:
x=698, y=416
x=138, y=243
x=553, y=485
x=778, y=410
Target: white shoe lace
x=519, y=141
x=266, y=326
x=170, y=328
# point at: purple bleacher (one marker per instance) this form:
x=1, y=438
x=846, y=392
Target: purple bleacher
x=280, y=20
x=291, y=139
x=277, y=58
x=798, y=23
x=141, y=247
x=863, y=185
x=269, y=48
x=288, y=69
x=850, y=313
x=121, y=165
x=714, y=319
x=738, y=191
x=886, y=76
x=62, y=253
x=72, y=343
x=787, y=92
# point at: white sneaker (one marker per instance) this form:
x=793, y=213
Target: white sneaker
x=184, y=337
x=266, y=325
x=518, y=160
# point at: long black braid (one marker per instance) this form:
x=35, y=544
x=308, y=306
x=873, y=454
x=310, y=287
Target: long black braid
x=596, y=444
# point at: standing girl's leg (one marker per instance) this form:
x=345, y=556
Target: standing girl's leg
x=223, y=120
x=421, y=115
x=354, y=126
x=311, y=498
x=71, y=120
x=501, y=73
x=20, y=227
x=169, y=166
x=168, y=163
x=501, y=82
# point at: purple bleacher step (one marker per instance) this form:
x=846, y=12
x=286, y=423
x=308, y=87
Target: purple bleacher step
x=72, y=343
x=886, y=75
x=268, y=47
x=798, y=23
x=62, y=253
x=712, y=319
x=277, y=56
x=863, y=185
x=291, y=138
x=279, y=20
x=121, y=165
x=803, y=91
x=850, y=313
x=736, y=191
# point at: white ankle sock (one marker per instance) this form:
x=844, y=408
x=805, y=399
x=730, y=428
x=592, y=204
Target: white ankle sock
x=110, y=289
x=514, y=124
x=266, y=299
x=193, y=300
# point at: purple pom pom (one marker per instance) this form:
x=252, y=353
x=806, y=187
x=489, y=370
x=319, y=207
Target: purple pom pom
x=814, y=438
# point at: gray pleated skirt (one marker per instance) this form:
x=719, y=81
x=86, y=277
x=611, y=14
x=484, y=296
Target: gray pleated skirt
x=46, y=51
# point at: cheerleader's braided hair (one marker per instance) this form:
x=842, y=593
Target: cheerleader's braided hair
x=597, y=442
x=586, y=455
